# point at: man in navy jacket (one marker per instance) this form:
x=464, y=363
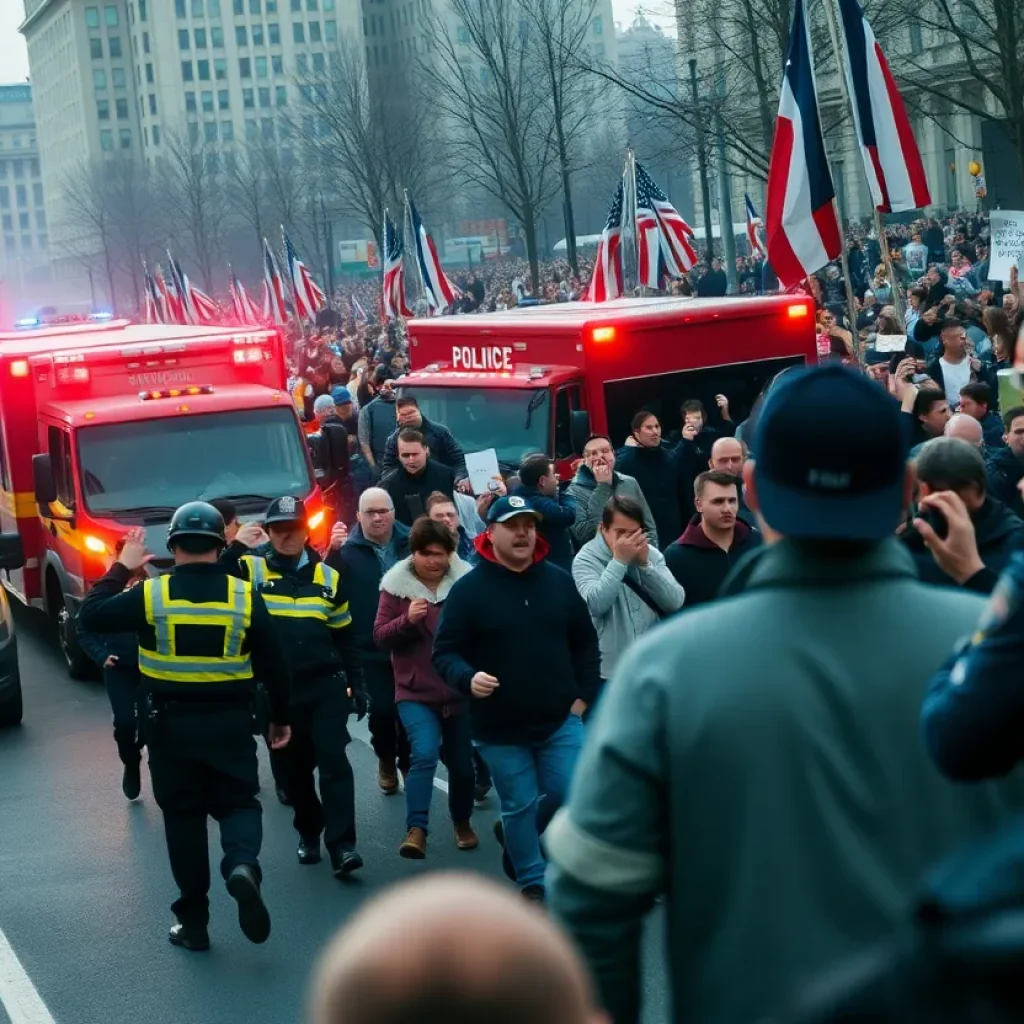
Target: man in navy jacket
x=538, y=484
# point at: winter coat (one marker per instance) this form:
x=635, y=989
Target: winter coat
x=591, y=498
x=559, y=514
x=376, y=424
x=444, y=448
x=410, y=493
x=701, y=566
x=410, y=644
x=657, y=471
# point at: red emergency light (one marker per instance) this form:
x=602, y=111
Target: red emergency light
x=798, y=311
x=149, y=396
x=602, y=334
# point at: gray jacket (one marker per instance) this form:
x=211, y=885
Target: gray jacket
x=376, y=424
x=759, y=761
x=620, y=616
x=591, y=498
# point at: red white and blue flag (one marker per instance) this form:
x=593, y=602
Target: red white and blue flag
x=803, y=232
x=154, y=304
x=244, y=308
x=663, y=237
x=754, y=230
x=309, y=299
x=169, y=308
x=179, y=291
x=441, y=293
x=395, y=304
x=606, y=282
x=892, y=161
x=196, y=306
x=275, y=310
x=206, y=309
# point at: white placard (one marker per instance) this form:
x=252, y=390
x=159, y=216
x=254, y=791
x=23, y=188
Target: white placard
x=1007, y=248
x=482, y=468
x=890, y=342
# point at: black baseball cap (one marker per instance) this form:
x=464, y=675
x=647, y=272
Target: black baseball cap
x=830, y=456
x=508, y=508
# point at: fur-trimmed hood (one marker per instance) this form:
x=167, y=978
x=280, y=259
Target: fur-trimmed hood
x=401, y=581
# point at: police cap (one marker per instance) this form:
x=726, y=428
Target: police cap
x=286, y=510
x=196, y=519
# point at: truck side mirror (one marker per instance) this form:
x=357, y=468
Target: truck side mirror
x=42, y=479
x=12, y=551
x=579, y=429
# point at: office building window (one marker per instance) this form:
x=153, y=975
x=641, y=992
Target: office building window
x=179, y=8
x=24, y=222
x=110, y=15
x=190, y=102
x=118, y=78
x=193, y=132
x=34, y=166
x=319, y=63
x=277, y=64
x=223, y=99
x=207, y=101
x=197, y=8
x=328, y=5
x=186, y=71
x=282, y=95
x=142, y=10
x=220, y=69
x=37, y=194
x=297, y=5
x=8, y=222
x=107, y=140
x=271, y=6
x=227, y=131
x=257, y=35
x=241, y=35
x=331, y=31
x=264, y=96
x=99, y=79
x=217, y=37
x=149, y=73
x=103, y=110
x=5, y=197
x=40, y=220
x=213, y=9
x=19, y=172
x=314, y=32
x=248, y=99
x=302, y=63
x=267, y=128
x=122, y=109
x=261, y=67
x=26, y=243
x=200, y=38
x=239, y=6
x=274, y=33
x=597, y=25
x=311, y=5
x=96, y=49
x=125, y=135
x=145, y=42
x=183, y=39
x=92, y=17
x=245, y=67
x=114, y=42
x=152, y=104
x=252, y=130
x=255, y=7
x=156, y=135
x=299, y=32
x=203, y=70
x=210, y=131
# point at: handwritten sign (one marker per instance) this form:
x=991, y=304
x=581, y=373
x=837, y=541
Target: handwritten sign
x=1007, y=243
x=890, y=342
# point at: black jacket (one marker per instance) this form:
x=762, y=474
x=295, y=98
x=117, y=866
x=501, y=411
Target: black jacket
x=998, y=533
x=658, y=471
x=99, y=647
x=330, y=445
x=531, y=630
x=441, y=442
x=556, y=527
x=318, y=650
x=700, y=566
x=410, y=493
x=107, y=610
x=1004, y=473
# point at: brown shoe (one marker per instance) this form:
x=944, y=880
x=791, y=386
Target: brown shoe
x=465, y=837
x=415, y=845
x=387, y=777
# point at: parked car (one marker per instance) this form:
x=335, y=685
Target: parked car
x=11, y=558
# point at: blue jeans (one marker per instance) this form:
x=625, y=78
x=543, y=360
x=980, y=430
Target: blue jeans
x=522, y=776
x=426, y=730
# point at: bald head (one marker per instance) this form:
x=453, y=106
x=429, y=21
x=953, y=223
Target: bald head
x=467, y=950
x=728, y=455
x=965, y=427
x=374, y=497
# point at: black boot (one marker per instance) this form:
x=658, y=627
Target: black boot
x=344, y=862
x=253, y=916
x=131, y=780
x=309, y=850
x=190, y=937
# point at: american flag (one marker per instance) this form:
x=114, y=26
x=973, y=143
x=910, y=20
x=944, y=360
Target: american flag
x=358, y=312
x=309, y=299
x=274, y=309
x=196, y=306
x=176, y=295
x=441, y=293
x=154, y=305
x=607, y=280
x=753, y=230
x=167, y=310
x=395, y=304
x=243, y=306
x=206, y=309
x=664, y=237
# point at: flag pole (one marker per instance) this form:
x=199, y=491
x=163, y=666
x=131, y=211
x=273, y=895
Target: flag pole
x=833, y=31
x=383, y=257
x=629, y=224
x=291, y=281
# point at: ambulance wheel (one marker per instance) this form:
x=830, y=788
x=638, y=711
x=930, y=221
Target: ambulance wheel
x=79, y=664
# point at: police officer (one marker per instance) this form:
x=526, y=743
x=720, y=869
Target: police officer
x=306, y=599
x=203, y=637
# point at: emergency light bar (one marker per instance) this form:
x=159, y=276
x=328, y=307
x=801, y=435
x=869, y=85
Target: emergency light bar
x=148, y=396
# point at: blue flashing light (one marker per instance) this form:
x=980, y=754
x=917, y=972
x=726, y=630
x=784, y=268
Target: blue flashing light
x=28, y=321
x=101, y=316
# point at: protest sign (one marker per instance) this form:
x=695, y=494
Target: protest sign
x=1007, y=249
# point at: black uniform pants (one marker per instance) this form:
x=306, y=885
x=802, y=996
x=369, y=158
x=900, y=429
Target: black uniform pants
x=122, y=690
x=387, y=734
x=203, y=764
x=319, y=738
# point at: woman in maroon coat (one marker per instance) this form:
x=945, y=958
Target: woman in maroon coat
x=412, y=593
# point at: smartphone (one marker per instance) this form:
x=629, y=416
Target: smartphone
x=936, y=519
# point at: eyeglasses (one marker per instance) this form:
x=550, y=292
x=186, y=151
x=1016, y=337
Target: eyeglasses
x=378, y=512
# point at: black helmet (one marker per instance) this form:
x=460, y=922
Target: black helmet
x=196, y=519
x=286, y=510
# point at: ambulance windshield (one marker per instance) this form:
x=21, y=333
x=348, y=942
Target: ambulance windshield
x=512, y=421
x=168, y=462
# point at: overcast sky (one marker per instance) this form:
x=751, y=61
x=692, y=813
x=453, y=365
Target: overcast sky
x=14, y=61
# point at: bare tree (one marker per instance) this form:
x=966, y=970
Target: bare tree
x=198, y=209
x=494, y=101
x=247, y=192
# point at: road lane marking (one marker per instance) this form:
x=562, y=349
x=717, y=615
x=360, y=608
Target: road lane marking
x=18, y=996
x=439, y=783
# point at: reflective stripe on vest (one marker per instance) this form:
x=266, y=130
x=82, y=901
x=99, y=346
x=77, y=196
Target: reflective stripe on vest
x=165, y=614
x=320, y=608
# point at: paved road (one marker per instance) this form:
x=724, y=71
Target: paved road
x=85, y=887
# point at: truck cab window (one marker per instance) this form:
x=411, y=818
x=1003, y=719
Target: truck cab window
x=60, y=460
x=567, y=400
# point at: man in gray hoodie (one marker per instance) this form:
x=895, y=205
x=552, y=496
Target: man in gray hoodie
x=594, y=485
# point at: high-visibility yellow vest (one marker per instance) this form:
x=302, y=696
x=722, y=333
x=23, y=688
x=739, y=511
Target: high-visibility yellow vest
x=165, y=614
x=321, y=607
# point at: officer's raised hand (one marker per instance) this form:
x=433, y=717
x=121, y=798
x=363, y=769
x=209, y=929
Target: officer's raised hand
x=252, y=535
x=134, y=555
x=279, y=736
